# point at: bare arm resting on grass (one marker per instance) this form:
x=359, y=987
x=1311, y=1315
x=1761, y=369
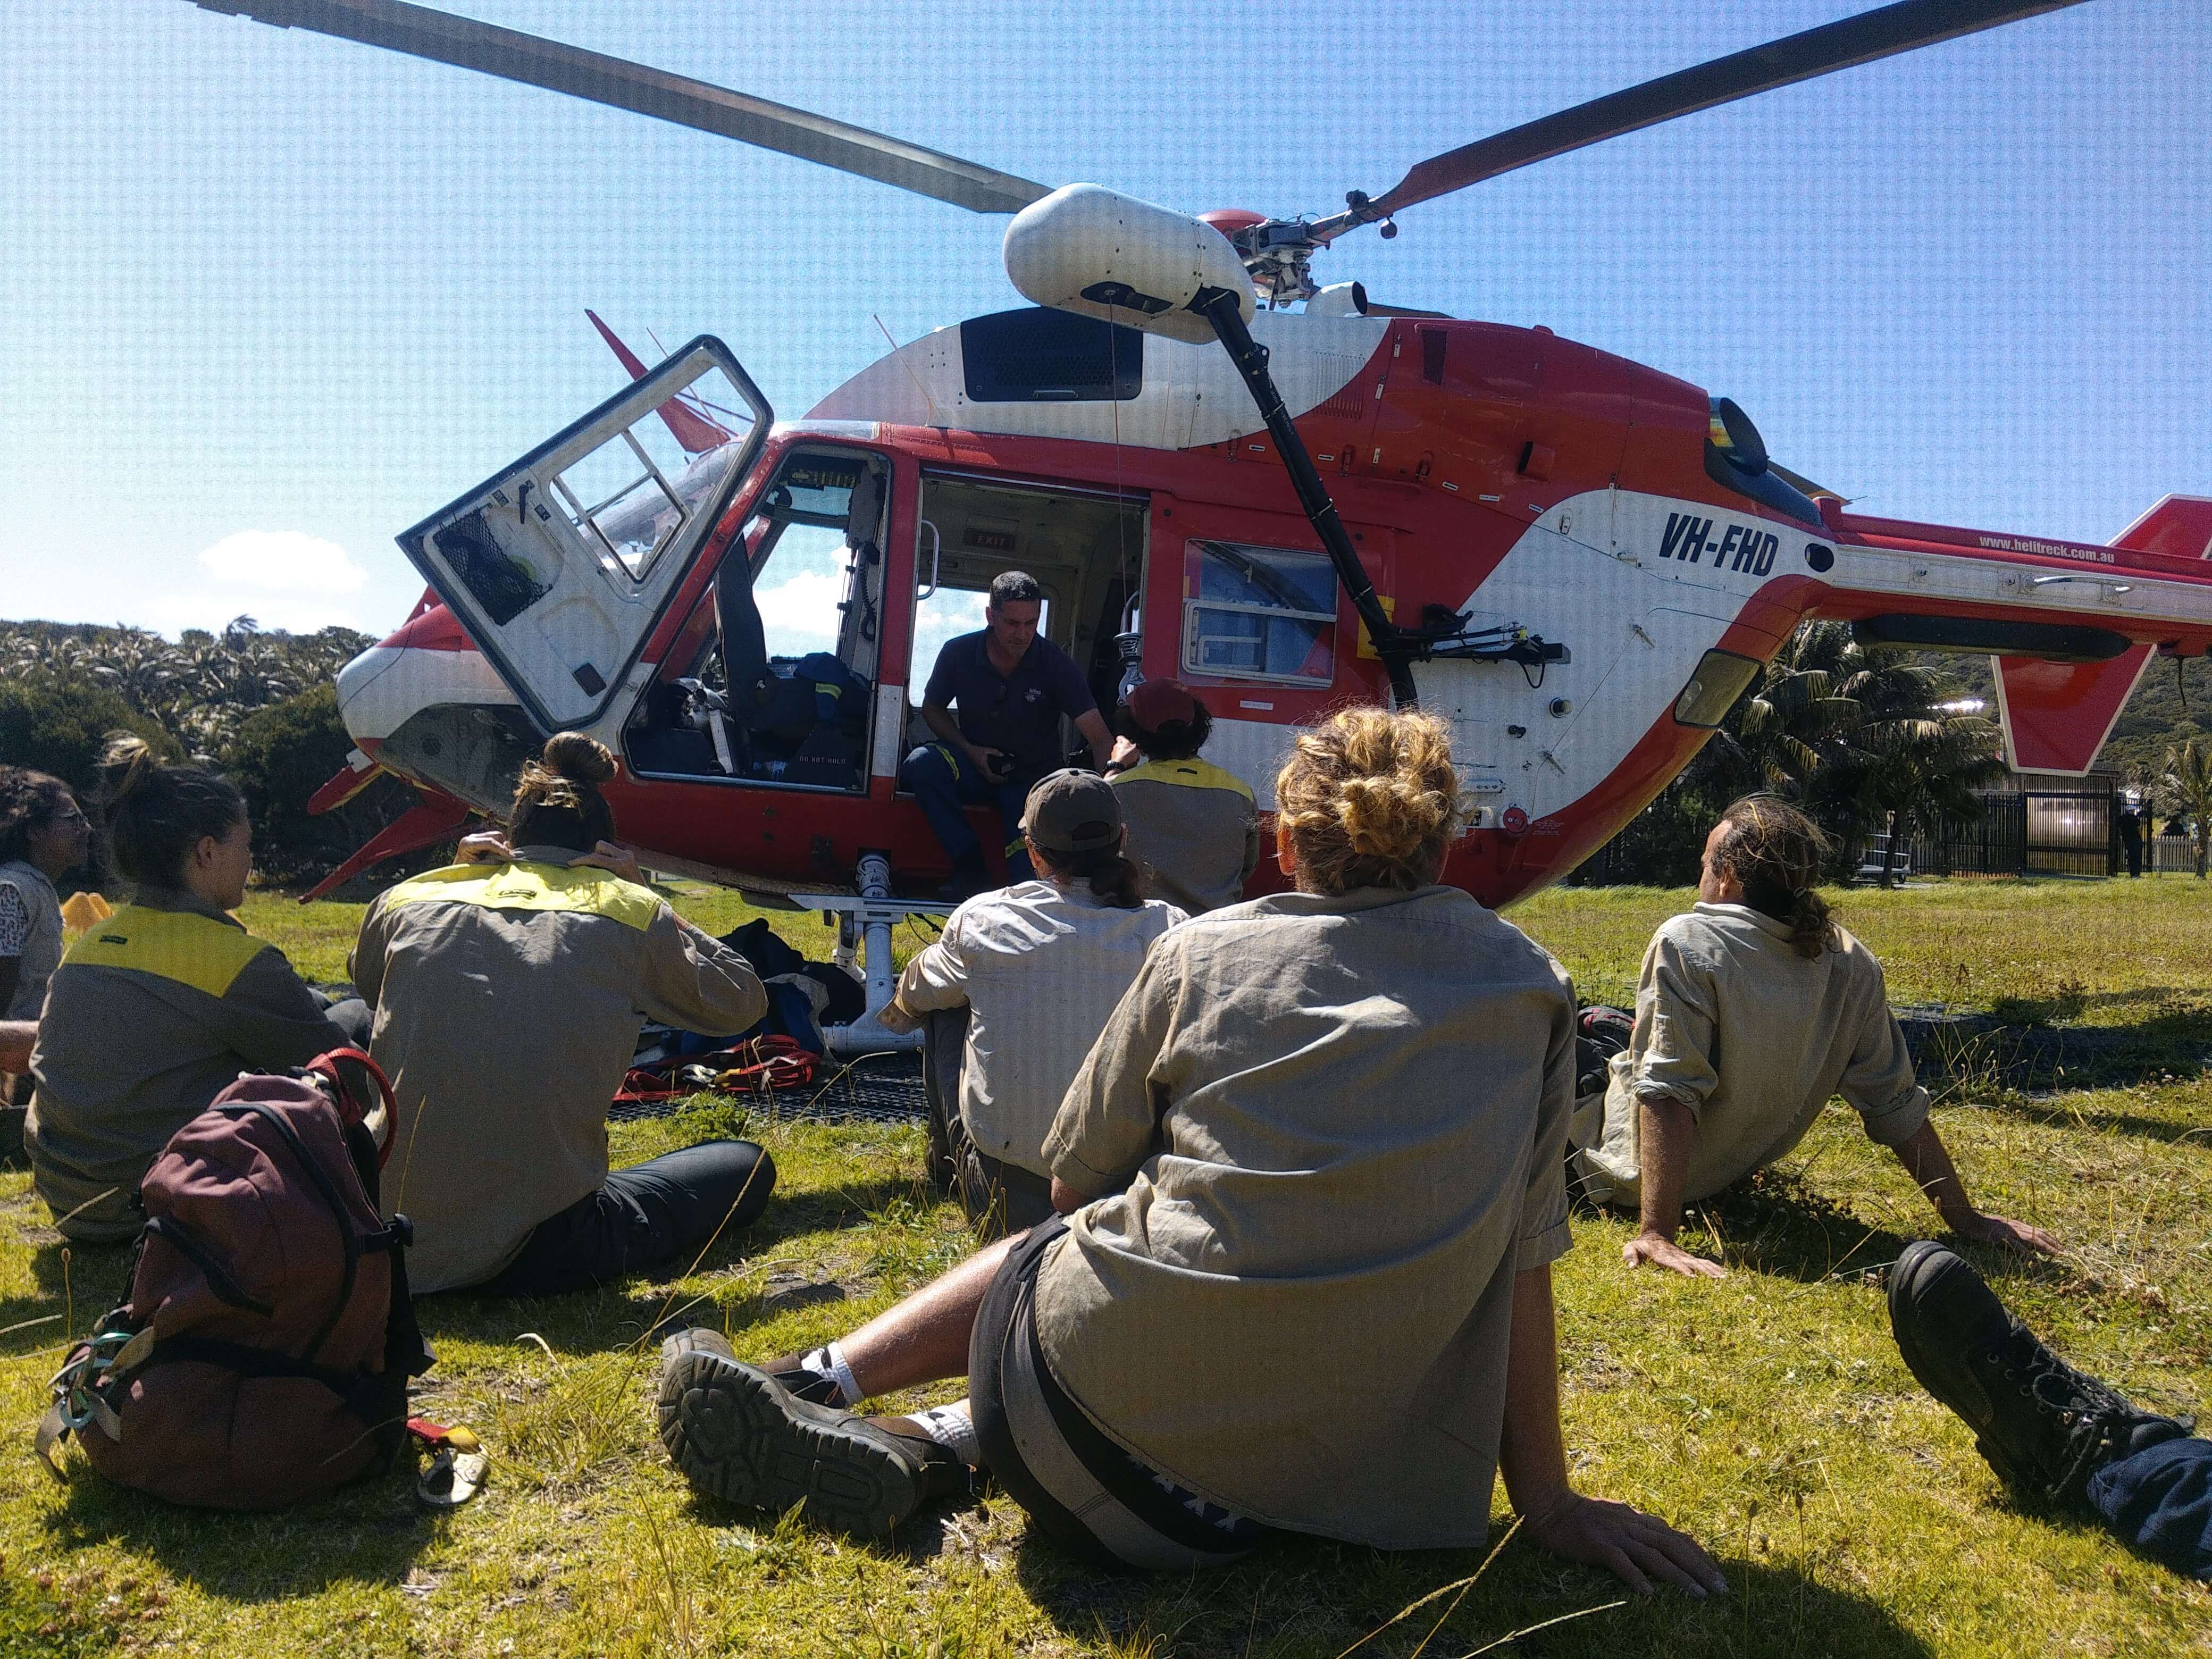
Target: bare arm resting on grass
x=1930, y=1167
x=1635, y=1548
x=1665, y=1128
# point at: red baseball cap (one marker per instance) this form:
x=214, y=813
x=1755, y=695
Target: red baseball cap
x=1154, y=703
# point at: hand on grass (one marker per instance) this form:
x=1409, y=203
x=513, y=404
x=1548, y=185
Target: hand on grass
x=607, y=856
x=2006, y=1233
x=1635, y=1547
x=485, y=847
x=1662, y=1252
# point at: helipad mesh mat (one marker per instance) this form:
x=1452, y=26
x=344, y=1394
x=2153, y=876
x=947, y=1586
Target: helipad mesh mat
x=872, y=1089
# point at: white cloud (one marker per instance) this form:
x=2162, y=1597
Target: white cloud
x=805, y=604
x=952, y=611
x=283, y=561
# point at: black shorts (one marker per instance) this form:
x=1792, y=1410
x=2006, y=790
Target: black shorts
x=1082, y=1490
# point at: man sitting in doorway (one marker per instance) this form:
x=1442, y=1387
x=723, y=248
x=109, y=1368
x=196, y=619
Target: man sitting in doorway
x=1012, y=687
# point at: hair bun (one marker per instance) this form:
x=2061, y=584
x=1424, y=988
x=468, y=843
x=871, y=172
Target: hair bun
x=125, y=763
x=578, y=758
x=1370, y=799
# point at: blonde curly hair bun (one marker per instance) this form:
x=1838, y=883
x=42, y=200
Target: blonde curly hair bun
x=1370, y=799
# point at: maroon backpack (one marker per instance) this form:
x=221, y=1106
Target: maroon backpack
x=264, y=1354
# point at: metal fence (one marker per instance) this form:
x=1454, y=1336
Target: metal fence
x=2025, y=830
x=2015, y=832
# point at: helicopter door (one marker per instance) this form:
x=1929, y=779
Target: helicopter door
x=559, y=566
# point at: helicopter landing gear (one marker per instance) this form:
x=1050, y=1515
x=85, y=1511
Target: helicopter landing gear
x=863, y=934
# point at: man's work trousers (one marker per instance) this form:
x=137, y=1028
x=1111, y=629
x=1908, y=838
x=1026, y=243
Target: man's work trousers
x=998, y=1197
x=944, y=781
x=2159, y=1500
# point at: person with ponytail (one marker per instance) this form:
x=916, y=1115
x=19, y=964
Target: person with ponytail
x=1751, y=1009
x=155, y=1010
x=1033, y=969
x=509, y=993
x=1312, y=1177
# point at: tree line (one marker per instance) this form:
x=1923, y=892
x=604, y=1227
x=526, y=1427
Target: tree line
x=1866, y=739
x=257, y=704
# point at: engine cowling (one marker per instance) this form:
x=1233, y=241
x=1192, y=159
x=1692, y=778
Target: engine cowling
x=1088, y=249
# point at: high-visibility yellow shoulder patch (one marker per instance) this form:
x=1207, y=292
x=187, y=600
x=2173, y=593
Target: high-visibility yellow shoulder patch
x=176, y=944
x=1189, y=774
x=586, y=892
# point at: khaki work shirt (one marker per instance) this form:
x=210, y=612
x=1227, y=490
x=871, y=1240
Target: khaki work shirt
x=153, y=1012
x=1754, y=1038
x=1041, y=968
x=1337, y=1125
x=1191, y=824
x=508, y=1000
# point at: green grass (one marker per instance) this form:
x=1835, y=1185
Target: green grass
x=1768, y=1412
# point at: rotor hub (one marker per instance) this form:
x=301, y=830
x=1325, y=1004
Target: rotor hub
x=1277, y=253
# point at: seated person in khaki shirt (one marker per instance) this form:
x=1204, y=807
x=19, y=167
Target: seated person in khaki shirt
x=154, y=1012
x=1314, y=1178
x=1037, y=966
x=1752, y=1010
x=1190, y=823
x=509, y=994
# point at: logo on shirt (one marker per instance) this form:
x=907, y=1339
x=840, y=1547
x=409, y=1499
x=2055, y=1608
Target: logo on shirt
x=1035, y=693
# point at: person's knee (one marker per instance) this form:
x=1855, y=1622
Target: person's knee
x=355, y=1018
x=930, y=767
x=755, y=1186
x=731, y=1182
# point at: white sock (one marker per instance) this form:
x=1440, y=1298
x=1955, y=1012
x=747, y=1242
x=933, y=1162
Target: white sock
x=952, y=1427
x=829, y=1362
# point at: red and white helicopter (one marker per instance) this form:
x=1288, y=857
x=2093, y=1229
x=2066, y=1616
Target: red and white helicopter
x=1579, y=561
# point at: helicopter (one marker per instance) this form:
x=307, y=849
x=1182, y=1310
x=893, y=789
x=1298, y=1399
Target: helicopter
x=1285, y=495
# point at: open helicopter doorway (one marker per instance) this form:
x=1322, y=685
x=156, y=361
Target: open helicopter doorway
x=1085, y=548
x=772, y=678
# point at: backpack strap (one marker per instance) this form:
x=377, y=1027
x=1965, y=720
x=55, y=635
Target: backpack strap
x=327, y=1065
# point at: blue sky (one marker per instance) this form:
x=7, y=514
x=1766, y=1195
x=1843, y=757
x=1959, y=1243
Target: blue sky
x=266, y=298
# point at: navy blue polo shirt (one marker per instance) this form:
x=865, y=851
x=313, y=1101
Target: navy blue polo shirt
x=1019, y=713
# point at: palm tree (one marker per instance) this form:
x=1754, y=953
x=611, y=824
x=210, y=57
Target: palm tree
x=1910, y=765
x=1856, y=736
x=2185, y=788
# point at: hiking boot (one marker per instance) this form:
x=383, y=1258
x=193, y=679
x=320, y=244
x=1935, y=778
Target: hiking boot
x=815, y=1388
x=2045, y=1427
x=969, y=877
x=737, y=1433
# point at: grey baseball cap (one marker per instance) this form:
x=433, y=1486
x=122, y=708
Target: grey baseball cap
x=1072, y=811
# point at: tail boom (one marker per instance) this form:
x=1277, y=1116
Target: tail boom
x=2148, y=591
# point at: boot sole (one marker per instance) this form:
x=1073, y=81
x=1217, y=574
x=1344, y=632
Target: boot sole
x=736, y=1432
x=1905, y=1277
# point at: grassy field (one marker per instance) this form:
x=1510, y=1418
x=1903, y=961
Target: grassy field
x=1767, y=1413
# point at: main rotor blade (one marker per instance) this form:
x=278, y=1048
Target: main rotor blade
x=421, y=31
x=1852, y=40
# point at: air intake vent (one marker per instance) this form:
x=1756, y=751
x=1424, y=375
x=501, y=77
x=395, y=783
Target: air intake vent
x=1340, y=370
